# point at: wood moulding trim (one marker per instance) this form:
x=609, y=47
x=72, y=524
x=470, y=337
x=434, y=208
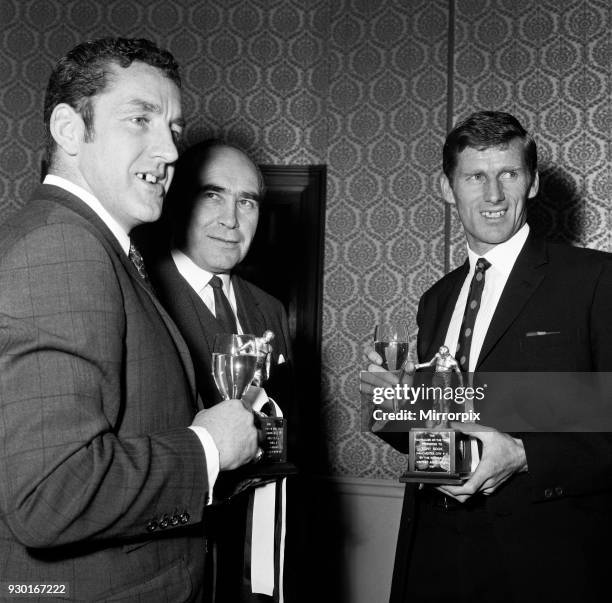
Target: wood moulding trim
x=362, y=486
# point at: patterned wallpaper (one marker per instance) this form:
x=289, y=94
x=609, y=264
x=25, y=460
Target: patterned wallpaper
x=369, y=88
x=550, y=63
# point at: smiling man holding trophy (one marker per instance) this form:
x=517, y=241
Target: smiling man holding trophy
x=213, y=207
x=529, y=522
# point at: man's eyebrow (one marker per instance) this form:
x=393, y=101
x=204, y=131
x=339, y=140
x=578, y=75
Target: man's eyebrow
x=220, y=189
x=503, y=168
x=148, y=107
x=143, y=105
x=254, y=196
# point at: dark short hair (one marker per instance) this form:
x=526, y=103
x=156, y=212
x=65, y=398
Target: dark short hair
x=83, y=73
x=483, y=130
x=182, y=193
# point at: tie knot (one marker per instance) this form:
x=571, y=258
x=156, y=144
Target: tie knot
x=215, y=282
x=482, y=264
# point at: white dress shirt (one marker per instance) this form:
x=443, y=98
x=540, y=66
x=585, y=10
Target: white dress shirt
x=199, y=280
x=502, y=258
x=264, y=501
x=210, y=448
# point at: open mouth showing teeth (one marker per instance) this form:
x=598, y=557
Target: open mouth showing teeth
x=147, y=177
x=493, y=214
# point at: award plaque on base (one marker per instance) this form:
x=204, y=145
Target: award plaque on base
x=274, y=430
x=439, y=456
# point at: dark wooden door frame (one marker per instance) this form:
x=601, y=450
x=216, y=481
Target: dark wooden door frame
x=292, y=225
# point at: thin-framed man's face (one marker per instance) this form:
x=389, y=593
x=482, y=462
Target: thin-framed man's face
x=225, y=213
x=490, y=188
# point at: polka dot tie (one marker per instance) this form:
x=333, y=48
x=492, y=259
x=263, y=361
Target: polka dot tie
x=464, y=345
x=223, y=310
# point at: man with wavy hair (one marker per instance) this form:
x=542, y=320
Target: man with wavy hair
x=107, y=458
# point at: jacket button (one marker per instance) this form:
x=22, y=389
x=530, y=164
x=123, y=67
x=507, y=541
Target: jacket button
x=152, y=526
x=174, y=520
x=165, y=521
x=548, y=493
x=559, y=491
x=184, y=517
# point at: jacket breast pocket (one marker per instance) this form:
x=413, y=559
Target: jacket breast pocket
x=549, y=350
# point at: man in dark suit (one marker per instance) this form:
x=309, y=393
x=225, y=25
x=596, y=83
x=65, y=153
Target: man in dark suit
x=213, y=207
x=530, y=523
x=213, y=210
x=106, y=464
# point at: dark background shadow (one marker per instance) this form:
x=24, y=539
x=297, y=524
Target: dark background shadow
x=556, y=212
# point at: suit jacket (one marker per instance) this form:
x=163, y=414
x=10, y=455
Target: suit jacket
x=257, y=311
x=552, y=521
x=102, y=485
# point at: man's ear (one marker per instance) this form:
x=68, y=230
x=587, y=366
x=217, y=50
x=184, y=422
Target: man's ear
x=447, y=191
x=535, y=186
x=67, y=128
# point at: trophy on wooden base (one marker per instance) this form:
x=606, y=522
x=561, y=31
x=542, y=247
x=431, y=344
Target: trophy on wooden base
x=439, y=454
x=242, y=361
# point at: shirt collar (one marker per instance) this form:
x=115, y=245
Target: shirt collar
x=197, y=277
x=503, y=256
x=95, y=205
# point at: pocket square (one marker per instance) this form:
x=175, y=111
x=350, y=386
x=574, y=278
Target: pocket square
x=541, y=333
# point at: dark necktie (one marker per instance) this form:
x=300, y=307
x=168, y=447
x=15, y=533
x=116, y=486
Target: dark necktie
x=464, y=344
x=138, y=262
x=223, y=310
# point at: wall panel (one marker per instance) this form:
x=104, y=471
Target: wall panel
x=360, y=85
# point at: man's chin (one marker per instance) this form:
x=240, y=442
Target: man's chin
x=494, y=235
x=225, y=263
x=151, y=212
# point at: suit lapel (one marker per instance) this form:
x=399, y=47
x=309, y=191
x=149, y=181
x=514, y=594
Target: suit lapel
x=205, y=318
x=188, y=308
x=437, y=322
x=178, y=339
x=524, y=279
x=181, y=346
x=249, y=313
x=99, y=229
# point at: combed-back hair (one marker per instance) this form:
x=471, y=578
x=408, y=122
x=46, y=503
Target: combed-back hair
x=84, y=72
x=483, y=130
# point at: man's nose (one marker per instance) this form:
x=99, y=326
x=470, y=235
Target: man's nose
x=165, y=146
x=228, y=216
x=494, y=191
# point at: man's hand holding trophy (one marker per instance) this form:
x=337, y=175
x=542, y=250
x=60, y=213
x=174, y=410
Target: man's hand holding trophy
x=438, y=453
